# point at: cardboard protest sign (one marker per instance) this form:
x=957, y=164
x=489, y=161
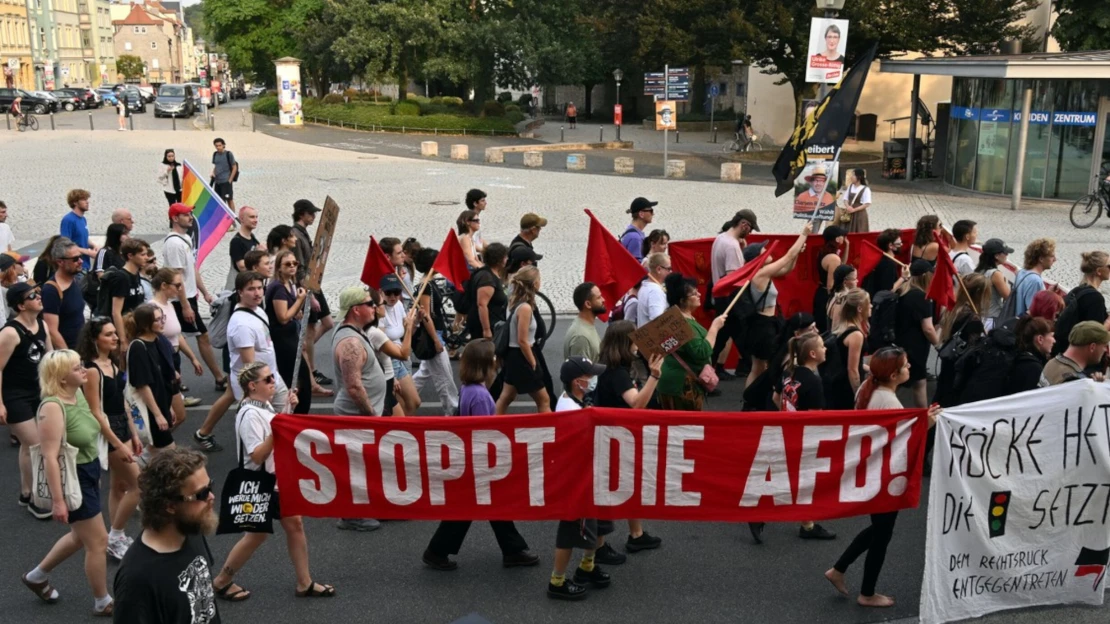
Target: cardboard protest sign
x=664, y=335
x=324, y=233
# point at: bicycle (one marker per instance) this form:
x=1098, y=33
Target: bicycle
x=1087, y=209
x=735, y=145
x=27, y=120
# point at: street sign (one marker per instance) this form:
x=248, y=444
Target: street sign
x=13, y=63
x=714, y=90
x=677, y=84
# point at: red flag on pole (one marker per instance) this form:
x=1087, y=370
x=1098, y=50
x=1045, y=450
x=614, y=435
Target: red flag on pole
x=451, y=262
x=869, y=257
x=376, y=266
x=609, y=265
x=744, y=274
x=942, y=289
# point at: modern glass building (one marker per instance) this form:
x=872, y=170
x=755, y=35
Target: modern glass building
x=1067, y=141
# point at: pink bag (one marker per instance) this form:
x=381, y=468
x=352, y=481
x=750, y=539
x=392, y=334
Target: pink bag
x=708, y=378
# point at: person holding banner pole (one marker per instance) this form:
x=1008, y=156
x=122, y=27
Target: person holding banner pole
x=429, y=299
x=890, y=368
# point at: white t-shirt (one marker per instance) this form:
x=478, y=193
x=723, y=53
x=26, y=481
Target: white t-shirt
x=7, y=239
x=377, y=340
x=252, y=425
x=177, y=253
x=248, y=330
x=172, y=330
x=651, y=303
x=864, y=194
x=393, y=323
x=726, y=255
x=567, y=404
x=964, y=264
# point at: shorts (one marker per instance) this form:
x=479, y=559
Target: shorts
x=325, y=311
x=21, y=409
x=583, y=533
x=194, y=328
x=224, y=190
x=390, y=399
x=161, y=439
x=572, y=119
x=120, y=426
x=761, y=336
x=400, y=370
x=520, y=374
x=88, y=478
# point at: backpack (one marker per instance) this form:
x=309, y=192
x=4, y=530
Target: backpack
x=1069, y=316
x=884, y=317
x=102, y=304
x=983, y=371
x=834, y=370
x=466, y=300
x=617, y=313
x=1009, y=307
x=501, y=335
x=748, y=305
x=221, y=309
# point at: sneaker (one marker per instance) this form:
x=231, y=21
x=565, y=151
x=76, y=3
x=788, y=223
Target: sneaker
x=207, y=443
x=596, y=577
x=191, y=401
x=723, y=374
x=363, y=525
x=521, y=559
x=644, y=542
x=323, y=379
x=435, y=562
x=569, y=590
x=757, y=531
x=818, y=532
x=129, y=540
x=38, y=512
x=117, y=547
x=24, y=500
x=609, y=555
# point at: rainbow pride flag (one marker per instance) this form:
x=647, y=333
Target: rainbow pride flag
x=213, y=217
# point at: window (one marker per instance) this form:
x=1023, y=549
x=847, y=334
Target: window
x=153, y=45
x=127, y=45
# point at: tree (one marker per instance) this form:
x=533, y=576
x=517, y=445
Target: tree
x=254, y=33
x=977, y=26
x=131, y=66
x=194, y=17
x=1082, y=25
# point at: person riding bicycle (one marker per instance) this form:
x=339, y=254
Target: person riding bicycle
x=744, y=132
x=16, y=110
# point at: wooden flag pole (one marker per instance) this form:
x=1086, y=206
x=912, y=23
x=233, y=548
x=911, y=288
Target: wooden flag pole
x=424, y=284
x=737, y=297
x=403, y=284
x=967, y=294
x=900, y=263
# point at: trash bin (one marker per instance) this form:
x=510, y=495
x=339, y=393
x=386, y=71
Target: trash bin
x=894, y=160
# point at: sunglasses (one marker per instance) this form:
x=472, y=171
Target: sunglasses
x=201, y=495
x=268, y=379
x=291, y=264
x=393, y=293
x=475, y=220
x=369, y=304
x=32, y=296
x=72, y=258
x=160, y=319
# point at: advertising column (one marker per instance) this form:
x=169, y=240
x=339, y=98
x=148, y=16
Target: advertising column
x=289, y=91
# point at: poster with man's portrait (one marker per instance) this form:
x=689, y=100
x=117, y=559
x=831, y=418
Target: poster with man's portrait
x=666, y=115
x=828, y=39
x=815, y=191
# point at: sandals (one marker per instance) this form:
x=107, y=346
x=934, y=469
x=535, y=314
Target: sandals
x=311, y=592
x=44, y=590
x=106, y=611
x=225, y=593
x=221, y=386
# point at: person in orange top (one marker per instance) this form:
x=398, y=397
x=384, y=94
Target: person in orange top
x=572, y=115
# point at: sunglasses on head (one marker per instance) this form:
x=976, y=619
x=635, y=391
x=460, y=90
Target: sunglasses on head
x=200, y=496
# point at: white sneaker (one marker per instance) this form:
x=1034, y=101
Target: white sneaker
x=117, y=547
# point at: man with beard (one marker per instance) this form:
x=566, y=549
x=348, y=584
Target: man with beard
x=166, y=575
x=582, y=339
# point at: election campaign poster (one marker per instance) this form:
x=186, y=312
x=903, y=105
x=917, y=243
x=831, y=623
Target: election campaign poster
x=828, y=38
x=1019, y=502
x=815, y=191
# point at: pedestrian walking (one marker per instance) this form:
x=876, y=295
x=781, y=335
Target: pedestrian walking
x=225, y=172
x=522, y=251
x=913, y=327
x=1040, y=255
x=995, y=254
x=392, y=323
x=150, y=372
x=961, y=328
x=487, y=292
x=572, y=115
x=525, y=367
x=284, y=311
x=965, y=233
x=652, y=301
x=828, y=260
x=121, y=290
x=582, y=339
x=75, y=226
x=436, y=368
x=7, y=238
x=925, y=246
x=476, y=200
x=169, y=177
x=850, y=324
x=1034, y=345
x=658, y=241
x=726, y=256
x=632, y=239
x=243, y=242
x=122, y=109
x=468, y=225
x=1084, y=356
x=679, y=386
x=887, y=273
x=1085, y=302
x=166, y=285
x=63, y=305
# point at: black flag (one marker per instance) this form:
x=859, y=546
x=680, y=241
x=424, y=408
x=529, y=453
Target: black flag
x=827, y=126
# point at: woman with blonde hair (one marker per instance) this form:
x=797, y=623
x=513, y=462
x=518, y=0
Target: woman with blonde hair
x=64, y=418
x=524, y=367
x=850, y=327
x=1089, y=304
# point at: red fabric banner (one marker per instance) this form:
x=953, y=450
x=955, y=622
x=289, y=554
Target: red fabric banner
x=609, y=265
x=942, y=288
x=869, y=257
x=375, y=266
x=733, y=281
x=602, y=463
x=451, y=262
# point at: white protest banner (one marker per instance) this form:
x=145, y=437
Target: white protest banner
x=1019, y=503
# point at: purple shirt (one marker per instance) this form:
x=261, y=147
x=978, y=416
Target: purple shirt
x=475, y=400
x=633, y=241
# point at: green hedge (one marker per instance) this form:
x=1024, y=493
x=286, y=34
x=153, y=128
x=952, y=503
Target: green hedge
x=514, y=116
x=367, y=114
x=266, y=105
x=409, y=108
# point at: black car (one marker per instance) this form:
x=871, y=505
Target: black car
x=136, y=102
x=30, y=104
x=237, y=93
x=69, y=99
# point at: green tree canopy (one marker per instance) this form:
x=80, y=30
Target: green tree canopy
x=1082, y=25
x=130, y=66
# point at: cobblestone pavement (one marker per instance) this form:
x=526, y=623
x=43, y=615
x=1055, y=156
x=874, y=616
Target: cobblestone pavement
x=388, y=196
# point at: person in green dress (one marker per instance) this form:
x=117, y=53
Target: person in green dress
x=678, y=388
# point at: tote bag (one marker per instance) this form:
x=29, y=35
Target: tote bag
x=67, y=464
x=246, y=498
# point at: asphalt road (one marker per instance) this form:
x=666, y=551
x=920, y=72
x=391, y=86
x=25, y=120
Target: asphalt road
x=106, y=119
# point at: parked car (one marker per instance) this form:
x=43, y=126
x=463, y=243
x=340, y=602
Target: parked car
x=67, y=100
x=222, y=96
x=148, y=92
x=31, y=103
x=136, y=102
x=54, y=103
x=175, y=100
x=255, y=92
x=196, y=92
x=108, y=96
x=87, y=98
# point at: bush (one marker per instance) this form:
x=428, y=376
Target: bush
x=366, y=114
x=333, y=98
x=525, y=100
x=493, y=108
x=266, y=105
x=409, y=108
x=504, y=97
x=515, y=116
x=353, y=94
x=451, y=100
x=510, y=107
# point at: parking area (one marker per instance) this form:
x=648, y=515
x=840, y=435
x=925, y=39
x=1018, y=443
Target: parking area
x=233, y=115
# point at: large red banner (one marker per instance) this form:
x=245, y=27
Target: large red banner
x=602, y=463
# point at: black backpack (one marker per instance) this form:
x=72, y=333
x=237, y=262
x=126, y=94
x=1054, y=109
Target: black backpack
x=748, y=305
x=884, y=317
x=103, y=302
x=983, y=372
x=1070, y=315
x=465, y=301
x=834, y=370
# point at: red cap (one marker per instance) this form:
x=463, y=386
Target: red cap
x=179, y=209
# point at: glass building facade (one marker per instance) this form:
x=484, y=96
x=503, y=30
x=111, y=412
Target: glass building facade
x=1066, y=139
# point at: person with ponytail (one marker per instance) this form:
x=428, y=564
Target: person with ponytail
x=890, y=368
x=524, y=366
x=802, y=389
x=849, y=326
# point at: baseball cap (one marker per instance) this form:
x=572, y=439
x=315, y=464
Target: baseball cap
x=751, y=252
x=746, y=215
x=532, y=220
x=16, y=294
x=1083, y=334
x=351, y=297
x=179, y=209
x=523, y=253
x=391, y=282
x=577, y=366
x=996, y=246
x=302, y=206
x=6, y=262
x=920, y=267
x=641, y=203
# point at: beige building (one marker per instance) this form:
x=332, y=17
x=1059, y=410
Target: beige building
x=15, y=46
x=71, y=68
x=96, y=25
x=142, y=35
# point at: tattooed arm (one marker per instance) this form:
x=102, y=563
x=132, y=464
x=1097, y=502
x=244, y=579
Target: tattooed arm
x=352, y=357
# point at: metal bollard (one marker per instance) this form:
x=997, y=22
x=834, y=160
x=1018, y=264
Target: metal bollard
x=131, y=122
x=174, y=117
x=561, y=138
x=212, y=121
x=677, y=137
x=91, y=122
x=252, y=122
x=340, y=123
x=714, y=134
x=600, y=134
x=52, y=122
x=8, y=118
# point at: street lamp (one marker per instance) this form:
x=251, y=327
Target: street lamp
x=618, y=75
x=830, y=7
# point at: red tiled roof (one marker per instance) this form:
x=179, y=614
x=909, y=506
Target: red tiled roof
x=137, y=17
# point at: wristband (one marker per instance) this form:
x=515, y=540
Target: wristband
x=655, y=376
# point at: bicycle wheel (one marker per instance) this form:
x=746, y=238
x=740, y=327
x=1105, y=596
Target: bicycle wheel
x=756, y=146
x=34, y=123
x=546, y=310
x=731, y=146
x=21, y=125
x=1085, y=211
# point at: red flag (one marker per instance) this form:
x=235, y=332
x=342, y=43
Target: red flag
x=609, y=265
x=376, y=266
x=942, y=289
x=744, y=274
x=451, y=262
x=869, y=257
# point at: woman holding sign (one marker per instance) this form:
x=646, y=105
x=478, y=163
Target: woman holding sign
x=256, y=452
x=679, y=388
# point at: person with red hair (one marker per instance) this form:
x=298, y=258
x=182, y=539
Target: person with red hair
x=1046, y=304
x=890, y=368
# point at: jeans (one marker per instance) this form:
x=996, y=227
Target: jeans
x=439, y=370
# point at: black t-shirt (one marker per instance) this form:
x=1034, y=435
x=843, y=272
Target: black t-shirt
x=883, y=276
x=120, y=283
x=913, y=308
x=41, y=272
x=1091, y=307
x=146, y=367
x=802, y=391
x=239, y=247
x=498, y=303
x=611, y=386
x=106, y=258
x=70, y=309
x=166, y=588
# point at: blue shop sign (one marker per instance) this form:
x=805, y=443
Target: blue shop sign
x=997, y=115
x=1037, y=118
x=1075, y=119
x=1041, y=118
x=965, y=113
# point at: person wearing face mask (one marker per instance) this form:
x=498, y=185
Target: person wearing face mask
x=582, y=339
